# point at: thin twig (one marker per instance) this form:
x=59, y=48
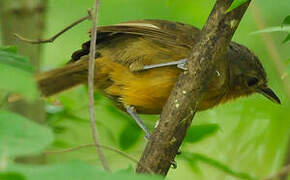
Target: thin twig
x=284, y=172
x=102, y=146
x=50, y=40
x=91, y=74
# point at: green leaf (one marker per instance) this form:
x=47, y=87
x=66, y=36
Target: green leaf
x=117, y=113
x=286, y=21
x=15, y=80
x=199, y=132
x=193, y=164
x=275, y=29
x=16, y=75
x=236, y=4
x=8, y=56
x=73, y=171
x=129, y=136
x=272, y=29
x=11, y=176
x=19, y=136
x=287, y=38
x=11, y=49
x=216, y=164
x=68, y=171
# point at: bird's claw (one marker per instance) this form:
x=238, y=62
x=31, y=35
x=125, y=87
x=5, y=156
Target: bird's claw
x=174, y=164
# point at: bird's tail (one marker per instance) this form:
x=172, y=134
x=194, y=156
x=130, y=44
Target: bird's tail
x=61, y=79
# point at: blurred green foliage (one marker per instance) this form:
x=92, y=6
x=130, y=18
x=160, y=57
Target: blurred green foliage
x=285, y=27
x=73, y=171
x=199, y=132
x=194, y=158
x=21, y=80
x=19, y=136
x=11, y=176
x=249, y=135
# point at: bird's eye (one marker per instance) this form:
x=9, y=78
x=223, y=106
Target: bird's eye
x=252, y=82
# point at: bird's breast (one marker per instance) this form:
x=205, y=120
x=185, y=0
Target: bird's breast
x=147, y=90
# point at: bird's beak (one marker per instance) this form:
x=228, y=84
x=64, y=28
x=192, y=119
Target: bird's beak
x=269, y=93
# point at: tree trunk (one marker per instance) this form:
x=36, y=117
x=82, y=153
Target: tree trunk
x=27, y=18
x=24, y=17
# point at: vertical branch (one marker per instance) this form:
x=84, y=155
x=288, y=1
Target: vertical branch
x=94, y=15
x=181, y=106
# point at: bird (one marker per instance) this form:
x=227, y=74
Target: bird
x=138, y=62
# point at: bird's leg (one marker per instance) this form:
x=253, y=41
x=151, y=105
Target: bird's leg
x=180, y=64
x=134, y=115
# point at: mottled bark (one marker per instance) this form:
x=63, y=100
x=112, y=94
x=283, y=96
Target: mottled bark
x=180, y=108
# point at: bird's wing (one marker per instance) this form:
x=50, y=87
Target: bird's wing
x=143, y=42
x=161, y=30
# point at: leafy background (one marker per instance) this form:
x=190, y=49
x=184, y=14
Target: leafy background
x=246, y=138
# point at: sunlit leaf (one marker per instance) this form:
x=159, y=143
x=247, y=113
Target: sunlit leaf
x=19, y=136
x=129, y=136
x=11, y=176
x=199, y=132
x=74, y=171
x=214, y=163
x=236, y=4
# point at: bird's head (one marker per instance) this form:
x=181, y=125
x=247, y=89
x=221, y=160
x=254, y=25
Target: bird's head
x=247, y=75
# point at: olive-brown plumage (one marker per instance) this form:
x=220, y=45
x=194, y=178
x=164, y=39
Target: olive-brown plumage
x=124, y=49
